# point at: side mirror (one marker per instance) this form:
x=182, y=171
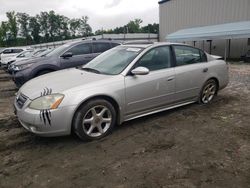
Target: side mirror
x=67, y=55
x=140, y=71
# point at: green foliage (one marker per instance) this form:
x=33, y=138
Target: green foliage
x=35, y=29
x=23, y=29
x=134, y=26
x=12, y=24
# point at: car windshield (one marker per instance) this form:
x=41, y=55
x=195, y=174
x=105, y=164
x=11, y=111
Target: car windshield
x=113, y=61
x=44, y=53
x=58, y=50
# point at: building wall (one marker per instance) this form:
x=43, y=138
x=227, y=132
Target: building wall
x=181, y=14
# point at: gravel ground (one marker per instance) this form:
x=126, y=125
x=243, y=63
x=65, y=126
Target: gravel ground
x=192, y=146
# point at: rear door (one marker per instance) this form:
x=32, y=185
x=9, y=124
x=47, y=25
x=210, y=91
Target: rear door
x=82, y=54
x=156, y=89
x=190, y=70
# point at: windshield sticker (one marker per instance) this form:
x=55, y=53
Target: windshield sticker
x=133, y=49
x=45, y=115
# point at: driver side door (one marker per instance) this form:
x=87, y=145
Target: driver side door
x=81, y=54
x=144, y=93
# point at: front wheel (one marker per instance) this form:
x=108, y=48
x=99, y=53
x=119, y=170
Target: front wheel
x=94, y=120
x=208, y=91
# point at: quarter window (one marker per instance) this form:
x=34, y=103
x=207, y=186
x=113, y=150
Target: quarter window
x=101, y=47
x=156, y=59
x=186, y=55
x=80, y=49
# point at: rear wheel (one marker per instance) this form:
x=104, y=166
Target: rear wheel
x=208, y=91
x=94, y=120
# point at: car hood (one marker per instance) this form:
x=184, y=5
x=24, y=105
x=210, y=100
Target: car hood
x=60, y=81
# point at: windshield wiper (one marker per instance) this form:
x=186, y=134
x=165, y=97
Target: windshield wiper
x=91, y=70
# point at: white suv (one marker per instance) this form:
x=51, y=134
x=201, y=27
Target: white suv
x=8, y=53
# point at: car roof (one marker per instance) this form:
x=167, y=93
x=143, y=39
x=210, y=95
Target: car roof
x=92, y=41
x=154, y=44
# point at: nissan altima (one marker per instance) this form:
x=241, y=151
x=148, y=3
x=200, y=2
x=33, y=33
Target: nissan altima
x=123, y=83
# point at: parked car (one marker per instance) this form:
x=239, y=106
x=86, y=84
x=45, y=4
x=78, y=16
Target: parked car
x=66, y=56
x=35, y=54
x=21, y=56
x=9, y=53
x=124, y=83
x=246, y=57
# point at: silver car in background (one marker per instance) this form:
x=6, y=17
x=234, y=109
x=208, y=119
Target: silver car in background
x=124, y=83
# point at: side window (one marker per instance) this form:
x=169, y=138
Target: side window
x=17, y=50
x=101, y=47
x=115, y=44
x=186, y=55
x=7, y=51
x=156, y=59
x=81, y=49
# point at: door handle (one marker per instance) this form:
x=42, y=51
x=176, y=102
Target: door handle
x=205, y=69
x=170, y=79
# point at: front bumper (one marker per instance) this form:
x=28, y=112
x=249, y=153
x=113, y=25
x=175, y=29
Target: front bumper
x=45, y=123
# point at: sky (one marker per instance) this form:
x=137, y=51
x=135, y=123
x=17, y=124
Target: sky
x=106, y=14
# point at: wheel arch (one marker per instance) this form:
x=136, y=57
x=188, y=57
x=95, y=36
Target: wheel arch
x=102, y=96
x=216, y=80
x=41, y=68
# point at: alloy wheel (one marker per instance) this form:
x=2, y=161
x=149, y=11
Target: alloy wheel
x=208, y=92
x=97, y=121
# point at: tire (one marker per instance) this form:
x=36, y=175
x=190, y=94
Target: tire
x=208, y=92
x=94, y=120
x=40, y=73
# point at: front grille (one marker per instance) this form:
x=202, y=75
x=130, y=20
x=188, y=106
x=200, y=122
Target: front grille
x=20, y=100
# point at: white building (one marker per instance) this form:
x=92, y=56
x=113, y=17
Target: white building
x=182, y=14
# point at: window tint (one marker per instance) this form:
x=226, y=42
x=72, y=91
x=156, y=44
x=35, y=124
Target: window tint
x=81, y=49
x=101, y=47
x=156, y=59
x=115, y=44
x=186, y=55
x=17, y=50
x=7, y=51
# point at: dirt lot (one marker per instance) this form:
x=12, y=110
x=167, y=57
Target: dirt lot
x=192, y=146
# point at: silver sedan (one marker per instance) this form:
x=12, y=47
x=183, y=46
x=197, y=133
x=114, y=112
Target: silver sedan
x=124, y=83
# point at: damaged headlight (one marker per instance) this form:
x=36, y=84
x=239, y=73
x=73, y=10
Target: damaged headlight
x=47, y=102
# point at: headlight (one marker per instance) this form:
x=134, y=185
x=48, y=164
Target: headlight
x=47, y=102
x=22, y=67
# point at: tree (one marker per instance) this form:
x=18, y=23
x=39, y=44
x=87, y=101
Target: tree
x=85, y=28
x=3, y=33
x=134, y=26
x=151, y=28
x=34, y=27
x=64, y=27
x=23, y=20
x=12, y=23
x=44, y=23
x=74, y=25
